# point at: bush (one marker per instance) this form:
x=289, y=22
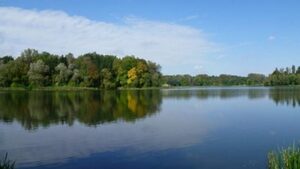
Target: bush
x=16, y=85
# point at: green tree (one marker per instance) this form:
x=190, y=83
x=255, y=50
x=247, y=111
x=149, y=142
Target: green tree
x=255, y=79
x=76, y=78
x=38, y=73
x=293, y=69
x=6, y=59
x=88, y=70
x=64, y=74
x=107, y=79
x=298, y=70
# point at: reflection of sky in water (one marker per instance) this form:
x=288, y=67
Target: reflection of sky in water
x=195, y=126
x=172, y=128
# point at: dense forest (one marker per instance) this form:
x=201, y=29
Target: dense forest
x=34, y=69
x=40, y=69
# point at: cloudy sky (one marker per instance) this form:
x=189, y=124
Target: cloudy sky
x=213, y=36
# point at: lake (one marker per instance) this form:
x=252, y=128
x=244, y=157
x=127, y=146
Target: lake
x=207, y=128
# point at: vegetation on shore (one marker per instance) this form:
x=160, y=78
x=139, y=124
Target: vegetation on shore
x=286, y=158
x=222, y=80
x=37, y=70
x=282, y=77
x=279, y=77
x=6, y=164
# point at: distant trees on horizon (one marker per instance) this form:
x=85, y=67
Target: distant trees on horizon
x=287, y=76
x=279, y=77
x=39, y=69
x=221, y=80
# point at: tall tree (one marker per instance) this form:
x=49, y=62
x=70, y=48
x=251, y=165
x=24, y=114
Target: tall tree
x=64, y=74
x=38, y=73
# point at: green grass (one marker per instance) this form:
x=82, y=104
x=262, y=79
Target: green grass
x=285, y=158
x=6, y=164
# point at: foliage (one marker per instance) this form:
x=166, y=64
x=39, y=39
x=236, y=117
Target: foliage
x=255, y=79
x=35, y=69
x=279, y=77
x=206, y=80
x=287, y=76
x=63, y=74
x=38, y=73
x=6, y=59
x=288, y=158
x=6, y=164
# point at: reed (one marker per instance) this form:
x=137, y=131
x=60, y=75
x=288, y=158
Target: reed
x=285, y=158
x=6, y=163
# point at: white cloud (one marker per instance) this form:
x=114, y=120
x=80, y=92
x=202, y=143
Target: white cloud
x=190, y=17
x=221, y=56
x=168, y=44
x=271, y=38
x=198, y=67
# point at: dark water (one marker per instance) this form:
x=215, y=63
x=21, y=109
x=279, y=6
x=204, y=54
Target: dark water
x=207, y=128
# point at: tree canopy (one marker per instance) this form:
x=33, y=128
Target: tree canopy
x=36, y=69
x=287, y=76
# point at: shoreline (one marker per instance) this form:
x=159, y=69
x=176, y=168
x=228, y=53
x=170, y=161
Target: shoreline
x=66, y=88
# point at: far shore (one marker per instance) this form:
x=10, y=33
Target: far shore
x=68, y=88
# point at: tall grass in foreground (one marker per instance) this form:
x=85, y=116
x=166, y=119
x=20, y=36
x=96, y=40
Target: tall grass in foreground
x=7, y=164
x=286, y=158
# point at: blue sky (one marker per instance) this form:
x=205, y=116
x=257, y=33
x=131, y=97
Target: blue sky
x=218, y=36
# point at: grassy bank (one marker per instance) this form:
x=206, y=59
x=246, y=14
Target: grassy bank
x=285, y=158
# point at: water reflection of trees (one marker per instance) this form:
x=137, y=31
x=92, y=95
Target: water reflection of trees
x=223, y=93
x=280, y=95
x=285, y=95
x=34, y=109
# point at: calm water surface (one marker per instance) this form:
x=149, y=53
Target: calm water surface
x=207, y=128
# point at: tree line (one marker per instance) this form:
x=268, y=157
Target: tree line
x=39, y=69
x=221, y=80
x=287, y=76
x=279, y=77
